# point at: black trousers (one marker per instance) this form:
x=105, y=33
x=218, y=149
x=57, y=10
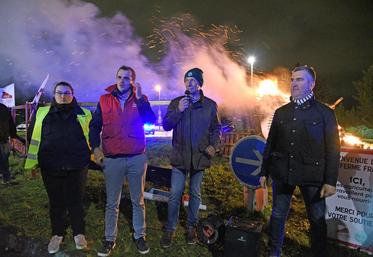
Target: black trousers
x=65, y=195
x=4, y=161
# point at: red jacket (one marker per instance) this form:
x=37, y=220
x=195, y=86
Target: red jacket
x=122, y=130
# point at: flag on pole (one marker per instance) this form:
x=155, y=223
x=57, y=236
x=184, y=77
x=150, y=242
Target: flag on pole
x=36, y=99
x=40, y=90
x=7, y=96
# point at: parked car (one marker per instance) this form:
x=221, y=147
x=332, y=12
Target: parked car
x=149, y=128
x=227, y=126
x=21, y=127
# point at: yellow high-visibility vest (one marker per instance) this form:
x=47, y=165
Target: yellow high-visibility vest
x=32, y=155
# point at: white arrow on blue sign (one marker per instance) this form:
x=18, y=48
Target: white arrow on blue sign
x=246, y=160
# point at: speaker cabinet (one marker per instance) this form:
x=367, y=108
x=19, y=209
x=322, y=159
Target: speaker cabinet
x=242, y=237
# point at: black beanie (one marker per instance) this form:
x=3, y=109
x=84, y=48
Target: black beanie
x=195, y=73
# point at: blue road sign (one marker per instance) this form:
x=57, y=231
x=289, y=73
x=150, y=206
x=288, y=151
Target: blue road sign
x=246, y=160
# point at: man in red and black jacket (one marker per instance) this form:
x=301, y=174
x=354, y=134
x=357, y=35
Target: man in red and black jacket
x=120, y=115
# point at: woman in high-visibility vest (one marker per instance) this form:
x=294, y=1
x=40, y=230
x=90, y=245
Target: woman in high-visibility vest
x=59, y=146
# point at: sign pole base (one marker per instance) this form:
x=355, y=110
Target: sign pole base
x=255, y=199
x=249, y=198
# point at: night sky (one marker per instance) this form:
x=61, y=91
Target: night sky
x=335, y=37
x=85, y=41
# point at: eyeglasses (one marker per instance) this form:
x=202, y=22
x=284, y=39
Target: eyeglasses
x=64, y=93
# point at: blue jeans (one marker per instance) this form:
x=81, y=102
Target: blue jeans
x=116, y=171
x=315, y=206
x=177, y=190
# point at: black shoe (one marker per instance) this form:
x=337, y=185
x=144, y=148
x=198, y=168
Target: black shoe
x=167, y=239
x=141, y=245
x=107, y=247
x=192, y=236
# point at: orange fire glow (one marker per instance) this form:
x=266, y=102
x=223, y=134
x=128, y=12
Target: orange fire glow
x=355, y=141
x=269, y=87
x=351, y=140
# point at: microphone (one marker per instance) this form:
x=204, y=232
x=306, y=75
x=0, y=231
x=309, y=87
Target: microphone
x=187, y=94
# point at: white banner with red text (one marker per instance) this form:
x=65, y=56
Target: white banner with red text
x=7, y=96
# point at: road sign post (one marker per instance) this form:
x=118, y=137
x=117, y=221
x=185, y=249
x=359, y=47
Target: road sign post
x=246, y=160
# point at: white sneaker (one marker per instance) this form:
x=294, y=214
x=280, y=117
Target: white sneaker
x=80, y=242
x=54, y=244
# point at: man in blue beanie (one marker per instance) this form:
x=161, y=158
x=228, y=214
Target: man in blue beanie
x=195, y=73
x=194, y=120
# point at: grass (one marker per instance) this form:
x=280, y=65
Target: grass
x=25, y=208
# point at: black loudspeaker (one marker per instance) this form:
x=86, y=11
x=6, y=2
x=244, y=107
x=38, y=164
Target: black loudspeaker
x=242, y=237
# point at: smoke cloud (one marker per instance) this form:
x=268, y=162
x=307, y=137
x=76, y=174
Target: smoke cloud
x=71, y=42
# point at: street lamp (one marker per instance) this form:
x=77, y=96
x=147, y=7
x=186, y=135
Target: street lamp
x=249, y=194
x=158, y=89
x=251, y=60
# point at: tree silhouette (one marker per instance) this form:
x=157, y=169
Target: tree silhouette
x=364, y=97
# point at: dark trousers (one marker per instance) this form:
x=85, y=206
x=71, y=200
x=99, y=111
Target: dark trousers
x=65, y=195
x=315, y=206
x=4, y=161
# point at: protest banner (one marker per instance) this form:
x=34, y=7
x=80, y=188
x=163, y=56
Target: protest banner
x=349, y=212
